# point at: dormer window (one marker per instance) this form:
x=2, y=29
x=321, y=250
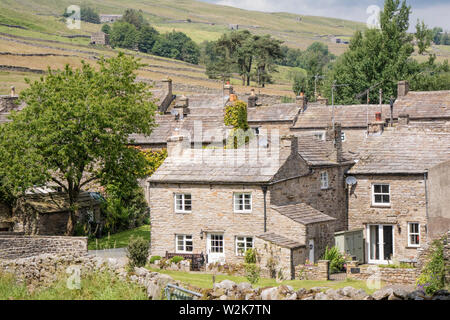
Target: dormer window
x=183, y=203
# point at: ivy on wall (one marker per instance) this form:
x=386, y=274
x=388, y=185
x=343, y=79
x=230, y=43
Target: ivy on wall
x=154, y=158
x=236, y=116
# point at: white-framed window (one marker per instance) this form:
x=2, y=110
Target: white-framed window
x=242, y=202
x=324, y=180
x=413, y=234
x=381, y=194
x=343, y=136
x=319, y=135
x=243, y=244
x=183, y=243
x=183, y=202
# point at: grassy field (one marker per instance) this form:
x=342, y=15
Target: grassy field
x=95, y=286
x=120, y=239
x=204, y=281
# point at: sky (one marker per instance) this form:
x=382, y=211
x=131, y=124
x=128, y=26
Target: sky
x=435, y=13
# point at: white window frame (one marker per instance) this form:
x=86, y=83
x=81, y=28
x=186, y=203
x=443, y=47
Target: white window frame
x=235, y=207
x=183, y=202
x=324, y=183
x=413, y=233
x=378, y=204
x=184, y=239
x=319, y=135
x=244, y=240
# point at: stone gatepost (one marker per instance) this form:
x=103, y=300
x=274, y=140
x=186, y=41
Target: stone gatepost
x=324, y=269
x=351, y=265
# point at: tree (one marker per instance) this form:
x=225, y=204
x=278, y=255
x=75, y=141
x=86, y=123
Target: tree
x=106, y=28
x=377, y=56
x=146, y=38
x=267, y=51
x=437, y=35
x=135, y=18
x=177, y=45
x=89, y=15
x=424, y=36
x=124, y=35
x=75, y=130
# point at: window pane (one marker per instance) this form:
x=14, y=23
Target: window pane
x=385, y=188
x=377, y=188
x=385, y=199
x=377, y=198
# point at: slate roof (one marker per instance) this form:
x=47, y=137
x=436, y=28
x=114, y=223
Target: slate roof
x=424, y=105
x=217, y=165
x=57, y=202
x=280, y=240
x=399, y=150
x=302, y=213
x=316, y=151
x=205, y=112
x=277, y=112
x=350, y=116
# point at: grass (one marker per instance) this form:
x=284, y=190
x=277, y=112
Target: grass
x=94, y=286
x=120, y=239
x=204, y=281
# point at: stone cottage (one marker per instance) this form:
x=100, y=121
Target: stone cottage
x=221, y=202
x=100, y=38
x=400, y=192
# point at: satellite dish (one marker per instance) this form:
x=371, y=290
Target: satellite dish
x=350, y=180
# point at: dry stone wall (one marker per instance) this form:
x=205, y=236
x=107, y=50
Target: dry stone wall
x=20, y=246
x=383, y=274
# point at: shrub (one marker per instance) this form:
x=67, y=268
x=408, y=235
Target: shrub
x=432, y=277
x=154, y=258
x=137, y=252
x=336, y=259
x=176, y=259
x=250, y=256
x=252, y=272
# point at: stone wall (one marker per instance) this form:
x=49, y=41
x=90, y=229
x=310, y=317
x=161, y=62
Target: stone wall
x=319, y=271
x=19, y=246
x=385, y=275
x=438, y=200
x=401, y=211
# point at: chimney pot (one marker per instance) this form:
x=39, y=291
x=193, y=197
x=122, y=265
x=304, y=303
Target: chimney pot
x=402, y=88
x=252, y=99
x=301, y=101
x=335, y=135
x=228, y=89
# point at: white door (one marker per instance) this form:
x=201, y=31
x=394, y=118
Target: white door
x=215, y=248
x=311, y=250
x=380, y=243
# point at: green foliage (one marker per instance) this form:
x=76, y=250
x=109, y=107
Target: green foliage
x=102, y=285
x=137, y=252
x=432, y=277
x=135, y=18
x=240, y=51
x=337, y=260
x=87, y=14
x=154, y=158
x=123, y=35
x=106, y=28
x=119, y=239
x=176, y=259
x=250, y=256
x=424, y=36
x=154, y=258
x=236, y=115
x=253, y=272
x=75, y=128
x=177, y=45
x=146, y=38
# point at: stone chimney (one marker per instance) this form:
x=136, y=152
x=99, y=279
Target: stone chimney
x=182, y=106
x=228, y=89
x=289, y=144
x=403, y=119
x=402, y=88
x=335, y=135
x=176, y=145
x=323, y=101
x=168, y=86
x=301, y=101
x=252, y=99
x=13, y=91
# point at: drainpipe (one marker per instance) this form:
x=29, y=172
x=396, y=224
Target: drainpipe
x=425, y=178
x=264, y=189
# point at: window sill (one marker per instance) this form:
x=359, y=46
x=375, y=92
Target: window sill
x=381, y=206
x=183, y=212
x=412, y=247
x=242, y=212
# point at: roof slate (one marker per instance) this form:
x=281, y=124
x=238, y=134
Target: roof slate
x=302, y=213
x=424, y=105
x=280, y=240
x=403, y=150
x=277, y=112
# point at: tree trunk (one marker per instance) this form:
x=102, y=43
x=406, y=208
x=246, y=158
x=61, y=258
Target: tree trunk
x=71, y=223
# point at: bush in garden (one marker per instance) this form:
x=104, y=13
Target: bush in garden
x=154, y=258
x=176, y=259
x=432, y=277
x=336, y=258
x=137, y=251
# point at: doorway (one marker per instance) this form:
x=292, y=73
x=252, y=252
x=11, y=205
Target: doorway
x=380, y=243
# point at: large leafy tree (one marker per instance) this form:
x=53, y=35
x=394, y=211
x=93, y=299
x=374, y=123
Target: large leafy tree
x=377, y=56
x=75, y=131
x=124, y=35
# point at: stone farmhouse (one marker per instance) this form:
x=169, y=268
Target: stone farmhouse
x=221, y=202
x=100, y=38
x=109, y=18
x=400, y=198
